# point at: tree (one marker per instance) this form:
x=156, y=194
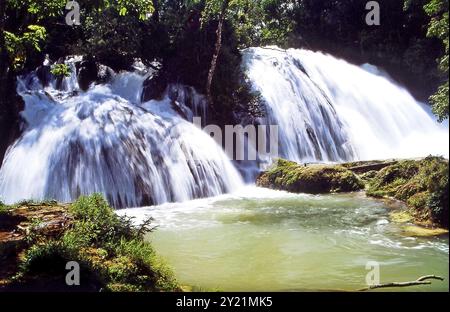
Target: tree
x=438, y=27
x=218, y=45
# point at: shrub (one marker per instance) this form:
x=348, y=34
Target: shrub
x=110, y=250
x=3, y=208
x=423, y=185
x=60, y=70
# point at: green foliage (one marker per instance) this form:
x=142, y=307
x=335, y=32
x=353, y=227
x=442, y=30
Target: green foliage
x=44, y=258
x=312, y=179
x=110, y=250
x=438, y=28
x=60, y=70
x=4, y=209
x=33, y=234
x=181, y=35
x=256, y=22
x=42, y=9
x=18, y=46
x=423, y=185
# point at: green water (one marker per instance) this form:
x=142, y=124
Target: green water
x=262, y=240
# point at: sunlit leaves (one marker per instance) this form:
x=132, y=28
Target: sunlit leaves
x=438, y=28
x=60, y=70
x=18, y=45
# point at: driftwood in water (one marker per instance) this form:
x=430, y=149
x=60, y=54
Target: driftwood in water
x=420, y=281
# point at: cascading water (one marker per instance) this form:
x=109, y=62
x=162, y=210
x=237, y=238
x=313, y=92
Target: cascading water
x=104, y=140
x=329, y=110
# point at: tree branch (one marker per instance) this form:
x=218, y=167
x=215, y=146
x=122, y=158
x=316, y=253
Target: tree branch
x=420, y=281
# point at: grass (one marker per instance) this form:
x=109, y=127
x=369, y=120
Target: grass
x=112, y=253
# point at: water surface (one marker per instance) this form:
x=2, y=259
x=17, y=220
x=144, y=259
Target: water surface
x=263, y=240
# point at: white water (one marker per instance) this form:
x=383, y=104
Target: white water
x=330, y=110
x=104, y=140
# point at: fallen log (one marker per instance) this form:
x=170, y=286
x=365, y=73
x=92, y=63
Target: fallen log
x=420, y=281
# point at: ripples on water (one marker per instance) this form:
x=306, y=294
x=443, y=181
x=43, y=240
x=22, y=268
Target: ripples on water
x=259, y=239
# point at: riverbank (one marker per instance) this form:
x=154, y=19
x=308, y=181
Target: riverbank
x=37, y=240
x=421, y=184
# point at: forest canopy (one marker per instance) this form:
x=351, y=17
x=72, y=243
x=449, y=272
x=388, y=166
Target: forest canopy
x=411, y=43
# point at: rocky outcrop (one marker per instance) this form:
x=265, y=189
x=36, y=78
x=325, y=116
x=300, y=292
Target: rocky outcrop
x=19, y=223
x=312, y=179
x=154, y=87
x=87, y=74
x=38, y=240
x=421, y=184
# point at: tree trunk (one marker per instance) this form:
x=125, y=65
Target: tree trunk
x=155, y=16
x=9, y=100
x=4, y=65
x=217, y=48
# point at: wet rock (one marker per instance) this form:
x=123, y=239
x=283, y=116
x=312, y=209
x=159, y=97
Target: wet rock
x=312, y=179
x=44, y=74
x=154, y=88
x=105, y=73
x=87, y=74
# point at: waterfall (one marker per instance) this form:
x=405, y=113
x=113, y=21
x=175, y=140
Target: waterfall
x=329, y=110
x=136, y=153
x=105, y=140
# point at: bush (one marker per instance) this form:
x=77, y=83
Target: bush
x=423, y=185
x=3, y=208
x=60, y=70
x=110, y=250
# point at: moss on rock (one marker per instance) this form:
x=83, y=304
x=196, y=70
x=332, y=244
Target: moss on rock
x=418, y=231
x=421, y=184
x=312, y=179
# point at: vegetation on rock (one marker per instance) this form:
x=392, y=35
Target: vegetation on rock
x=60, y=70
x=421, y=184
x=111, y=252
x=312, y=179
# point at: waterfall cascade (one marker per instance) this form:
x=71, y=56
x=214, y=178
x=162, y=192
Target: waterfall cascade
x=329, y=110
x=105, y=140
